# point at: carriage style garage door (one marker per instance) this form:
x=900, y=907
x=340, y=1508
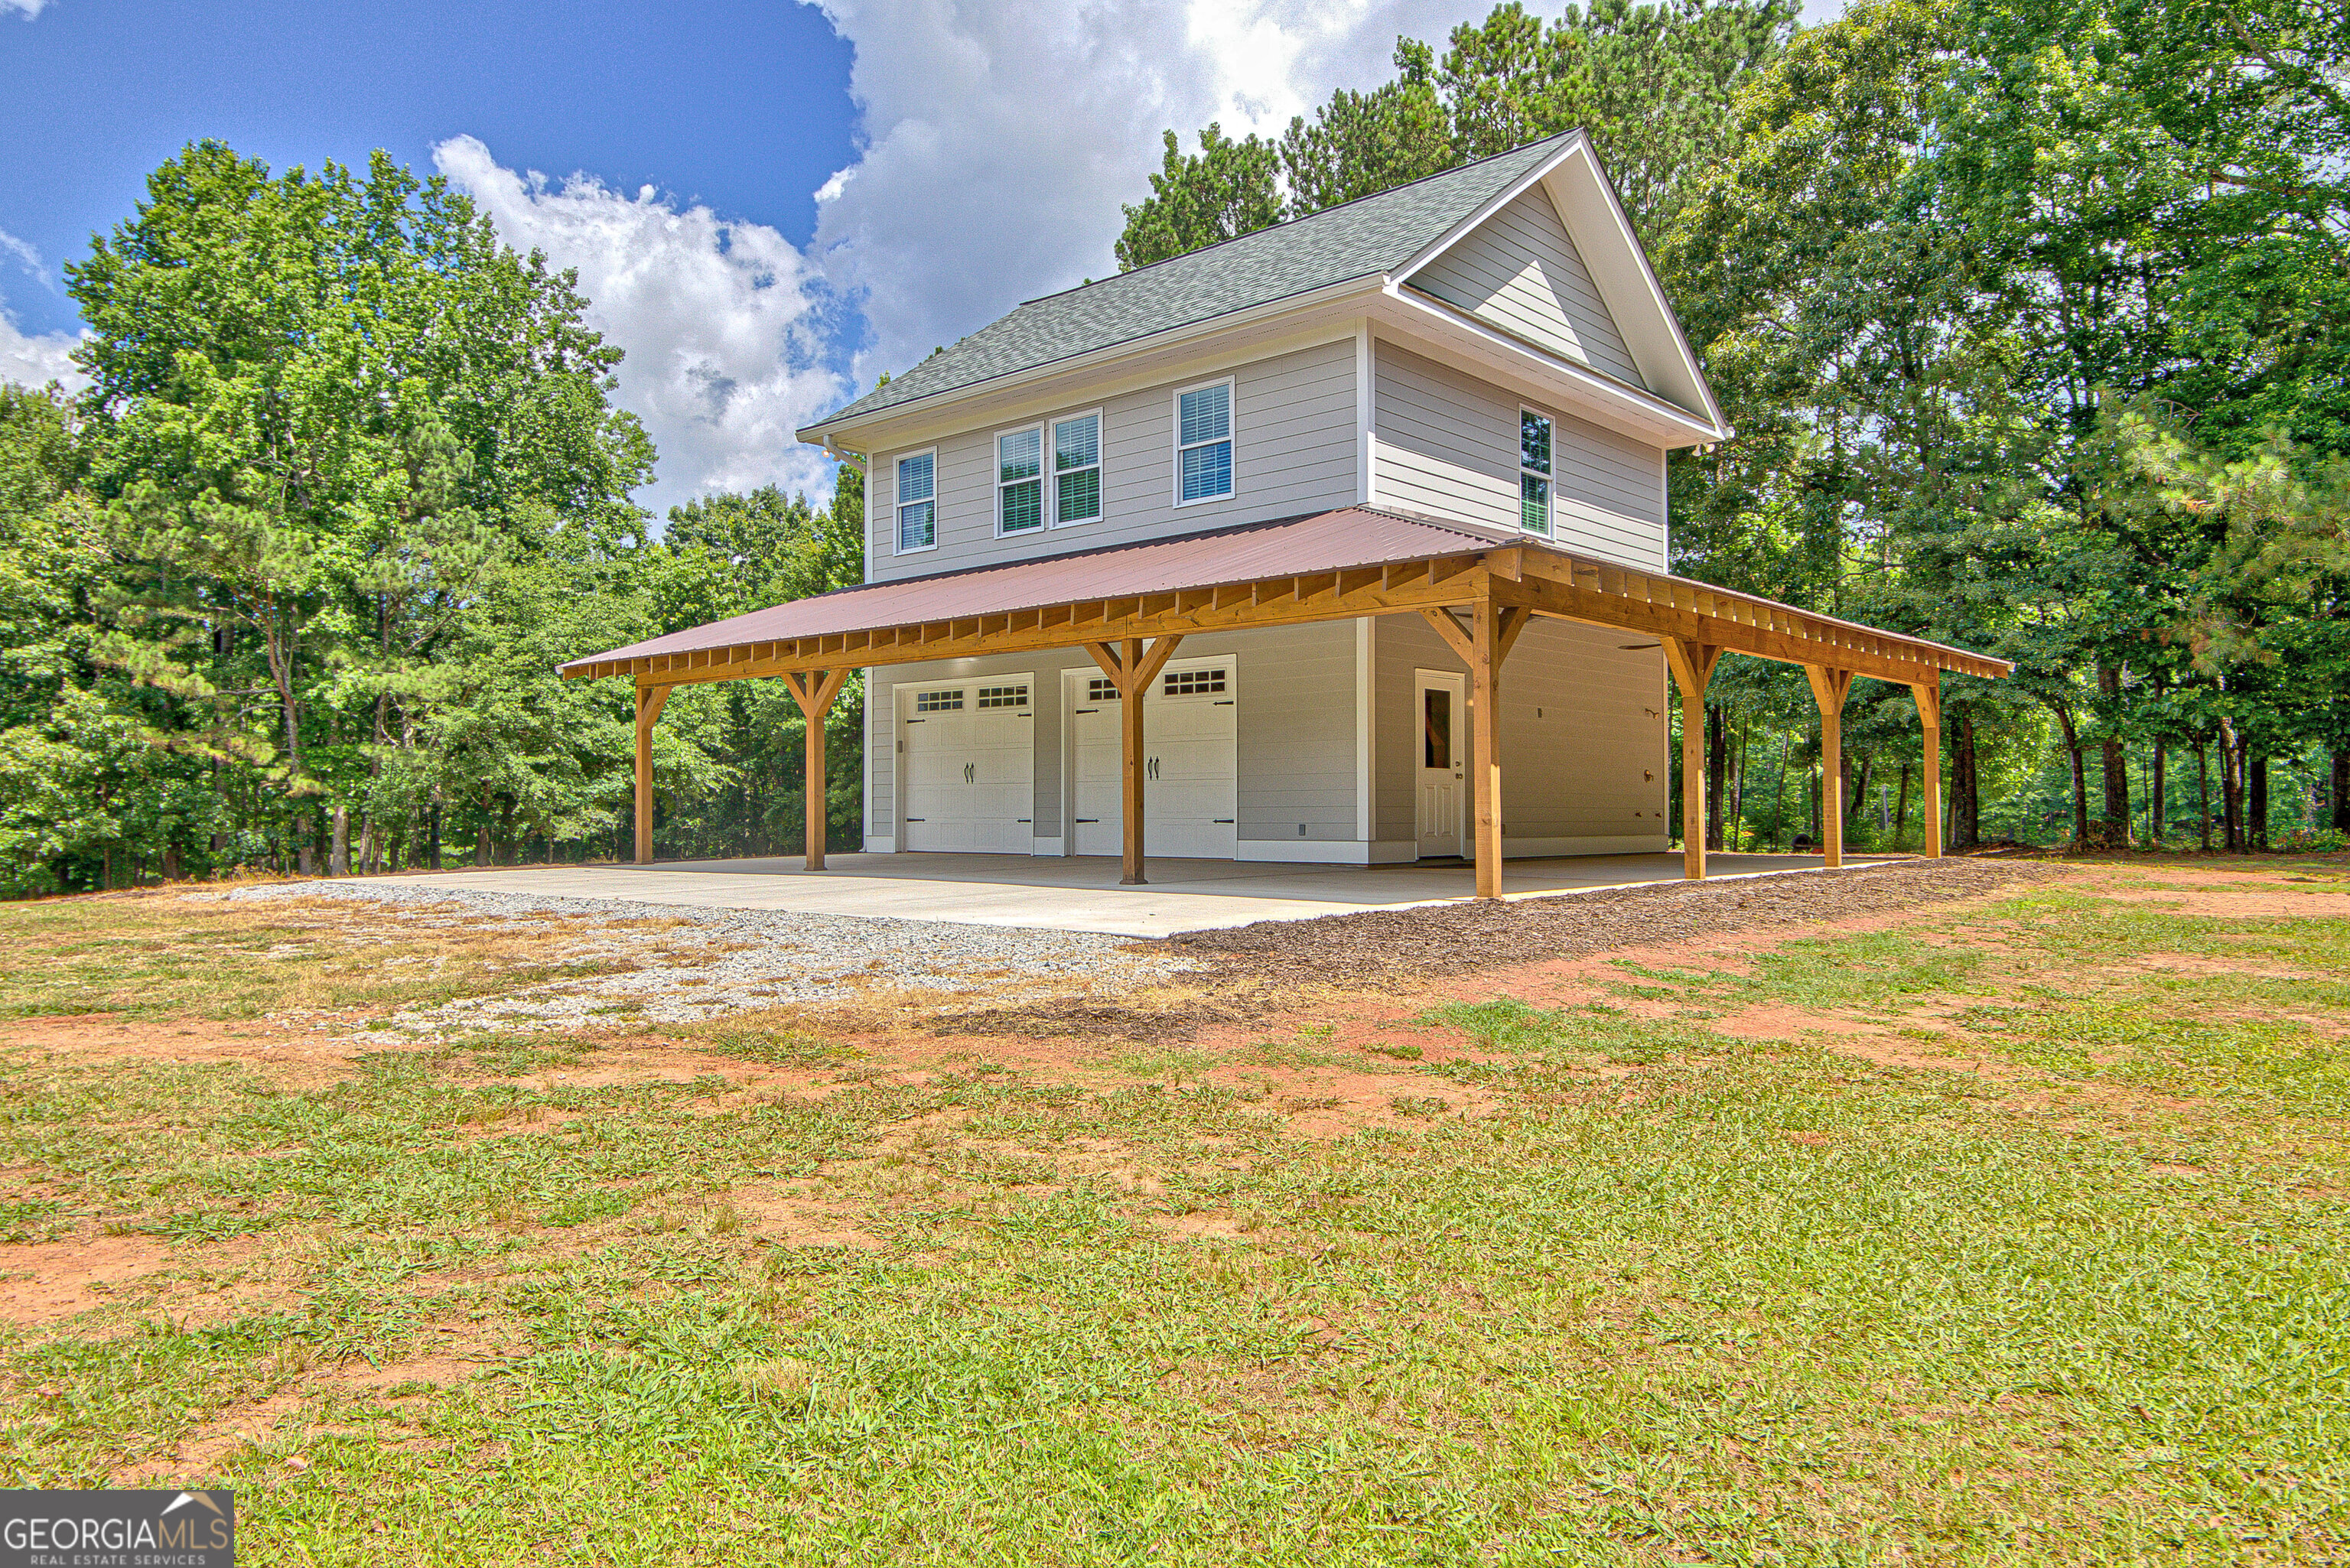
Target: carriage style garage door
x=1190, y=770
x=967, y=753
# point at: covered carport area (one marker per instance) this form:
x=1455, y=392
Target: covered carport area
x=1131, y=607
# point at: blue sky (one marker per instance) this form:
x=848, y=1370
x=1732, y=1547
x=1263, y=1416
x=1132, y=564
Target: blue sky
x=768, y=203
x=743, y=105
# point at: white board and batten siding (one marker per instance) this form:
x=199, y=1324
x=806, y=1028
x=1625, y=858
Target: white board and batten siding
x=1519, y=272
x=1445, y=444
x=1294, y=451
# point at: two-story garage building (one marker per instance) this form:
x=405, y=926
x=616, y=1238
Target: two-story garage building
x=1239, y=542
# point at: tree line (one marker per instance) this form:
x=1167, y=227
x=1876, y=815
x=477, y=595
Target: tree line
x=287, y=586
x=2031, y=317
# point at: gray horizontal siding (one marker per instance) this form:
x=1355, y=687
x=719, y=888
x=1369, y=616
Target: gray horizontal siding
x=1294, y=451
x=1583, y=733
x=1447, y=445
x=1519, y=270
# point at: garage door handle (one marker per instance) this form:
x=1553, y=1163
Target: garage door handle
x=1089, y=819
x=1223, y=819
x=970, y=773
x=1224, y=702
x=918, y=819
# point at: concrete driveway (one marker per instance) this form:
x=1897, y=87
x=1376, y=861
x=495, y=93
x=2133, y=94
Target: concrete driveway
x=1081, y=893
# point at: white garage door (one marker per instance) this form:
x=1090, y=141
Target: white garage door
x=967, y=754
x=1191, y=771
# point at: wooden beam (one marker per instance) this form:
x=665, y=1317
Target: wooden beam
x=1692, y=666
x=1516, y=618
x=814, y=691
x=1156, y=661
x=1929, y=694
x=1828, y=687
x=1646, y=607
x=651, y=701
x=1486, y=742
x=1129, y=735
x=1461, y=642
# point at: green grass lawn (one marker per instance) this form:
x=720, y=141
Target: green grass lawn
x=2081, y=1295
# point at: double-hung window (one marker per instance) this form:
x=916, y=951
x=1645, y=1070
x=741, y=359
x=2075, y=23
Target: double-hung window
x=1534, y=471
x=1203, y=443
x=1020, y=481
x=918, y=502
x=1077, y=470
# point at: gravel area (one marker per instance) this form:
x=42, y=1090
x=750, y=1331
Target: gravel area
x=742, y=960
x=1457, y=939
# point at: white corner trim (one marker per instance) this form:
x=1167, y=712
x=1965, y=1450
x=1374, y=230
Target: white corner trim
x=1366, y=734
x=1366, y=414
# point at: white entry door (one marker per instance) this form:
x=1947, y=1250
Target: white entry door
x=967, y=757
x=1442, y=770
x=1191, y=771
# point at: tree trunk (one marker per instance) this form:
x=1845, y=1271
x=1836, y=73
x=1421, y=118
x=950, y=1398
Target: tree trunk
x=432, y=843
x=2159, y=806
x=338, y=855
x=2113, y=833
x=1902, y=812
x=1856, y=796
x=171, y=863
x=1717, y=768
x=2080, y=774
x=2256, y=811
x=2339, y=797
x=2203, y=794
x=1966, y=800
x=2231, y=798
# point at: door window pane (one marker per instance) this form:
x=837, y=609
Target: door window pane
x=1436, y=728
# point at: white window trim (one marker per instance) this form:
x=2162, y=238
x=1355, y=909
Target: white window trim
x=1232, y=436
x=996, y=482
x=1550, y=480
x=896, y=528
x=1101, y=467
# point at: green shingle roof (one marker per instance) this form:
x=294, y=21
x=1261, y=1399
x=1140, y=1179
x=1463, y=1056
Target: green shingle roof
x=1361, y=239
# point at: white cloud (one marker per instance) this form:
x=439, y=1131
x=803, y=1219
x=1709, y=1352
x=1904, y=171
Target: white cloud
x=28, y=9
x=37, y=359
x=33, y=359
x=726, y=326
x=1000, y=138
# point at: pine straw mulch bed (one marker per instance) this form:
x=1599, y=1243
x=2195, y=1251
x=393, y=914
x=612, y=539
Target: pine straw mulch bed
x=1251, y=971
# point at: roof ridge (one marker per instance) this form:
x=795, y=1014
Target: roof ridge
x=1303, y=219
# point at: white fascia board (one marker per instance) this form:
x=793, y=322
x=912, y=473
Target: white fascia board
x=935, y=402
x=1613, y=403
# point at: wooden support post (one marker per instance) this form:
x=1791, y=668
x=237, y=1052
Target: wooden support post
x=1829, y=686
x=1485, y=739
x=650, y=699
x=1692, y=666
x=1132, y=671
x=814, y=691
x=1930, y=714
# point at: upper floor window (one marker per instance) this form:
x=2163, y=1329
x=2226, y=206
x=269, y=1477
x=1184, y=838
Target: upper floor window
x=1077, y=469
x=918, y=502
x=1203, y=443
x=1020, y=481
x=1534, y=471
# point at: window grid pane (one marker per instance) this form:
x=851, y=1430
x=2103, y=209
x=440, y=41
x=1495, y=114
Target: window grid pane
x=1017, y=455
x=1003, y=696
x=1534, y=502
x=938, y=701
x=915, y=526
x=1207, y=414
x=1207, y=471
x=1101, y=690
x=915, y=476
x=1076, y=443
x=1194, y=682
x=1080, y=497
x=1023, y=506
x=1533, y=442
